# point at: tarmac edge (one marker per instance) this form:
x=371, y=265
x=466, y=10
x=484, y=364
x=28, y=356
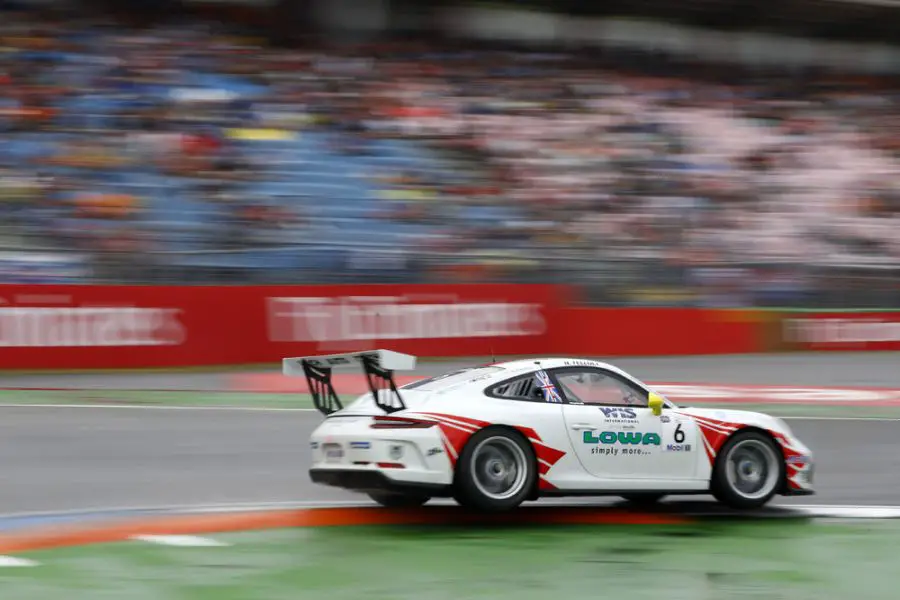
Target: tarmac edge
x=106, y=532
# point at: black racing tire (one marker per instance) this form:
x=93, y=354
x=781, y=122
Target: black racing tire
x=759, y=451
x=644, y=498
x=496, y=471
x=396, y=500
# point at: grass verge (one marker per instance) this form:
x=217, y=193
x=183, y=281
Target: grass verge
x=703, y=561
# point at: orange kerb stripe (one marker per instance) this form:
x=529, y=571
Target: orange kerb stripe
x=319, y=517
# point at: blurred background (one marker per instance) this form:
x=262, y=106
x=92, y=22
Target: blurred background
x=700, y=153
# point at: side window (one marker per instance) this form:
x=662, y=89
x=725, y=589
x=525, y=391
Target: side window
x=521, y=388
x=536, y=387
x=597, y=387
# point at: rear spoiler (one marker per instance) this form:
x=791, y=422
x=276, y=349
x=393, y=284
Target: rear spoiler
x=378, y=366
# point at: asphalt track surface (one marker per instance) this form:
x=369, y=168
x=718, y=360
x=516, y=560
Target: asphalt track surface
x=874, y=369
x=87, y=458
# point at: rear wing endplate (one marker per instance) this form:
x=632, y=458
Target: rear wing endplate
x=377, y=365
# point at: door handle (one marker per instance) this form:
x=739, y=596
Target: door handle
x=579, y=426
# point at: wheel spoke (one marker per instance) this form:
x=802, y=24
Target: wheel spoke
x=751, y=469
x=499, y=468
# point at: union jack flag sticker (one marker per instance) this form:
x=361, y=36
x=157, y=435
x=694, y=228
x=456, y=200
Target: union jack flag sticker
x=550, y=393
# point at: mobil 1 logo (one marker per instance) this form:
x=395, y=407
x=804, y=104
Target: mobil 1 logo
x=678, y=441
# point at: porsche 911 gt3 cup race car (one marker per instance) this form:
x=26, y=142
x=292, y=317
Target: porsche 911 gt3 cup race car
x=494, y=436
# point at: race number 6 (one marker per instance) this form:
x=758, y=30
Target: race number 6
x=679, y=434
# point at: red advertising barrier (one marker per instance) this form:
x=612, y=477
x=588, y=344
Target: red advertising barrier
x=658, y=331
x=116, y=327
x=103, y=327
x=840, y=331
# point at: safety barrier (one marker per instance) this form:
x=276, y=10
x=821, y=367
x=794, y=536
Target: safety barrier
x=841, y=331
x=101, y=327
x=96, y=327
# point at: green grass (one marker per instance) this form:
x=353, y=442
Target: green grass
x=707, y=561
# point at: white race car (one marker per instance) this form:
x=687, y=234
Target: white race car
x=496, y=435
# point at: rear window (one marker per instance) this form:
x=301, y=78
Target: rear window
x=451, y=378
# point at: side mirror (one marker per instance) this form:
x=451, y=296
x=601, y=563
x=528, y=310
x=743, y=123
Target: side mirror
x=655, y=402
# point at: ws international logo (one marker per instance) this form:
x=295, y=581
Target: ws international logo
x=618, y=415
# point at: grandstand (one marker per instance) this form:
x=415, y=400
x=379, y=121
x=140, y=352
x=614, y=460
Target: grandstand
x=182, y=152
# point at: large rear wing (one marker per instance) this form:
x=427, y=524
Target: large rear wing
x=377, y=365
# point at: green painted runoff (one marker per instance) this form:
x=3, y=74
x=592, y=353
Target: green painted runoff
x=772, y=560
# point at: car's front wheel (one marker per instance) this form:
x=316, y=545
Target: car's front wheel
x=496, y=471
x=748, y=471
x=394, y=500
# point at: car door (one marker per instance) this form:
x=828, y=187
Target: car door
x=615, y=434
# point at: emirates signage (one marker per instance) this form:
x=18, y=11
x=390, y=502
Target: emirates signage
x=108, y=327
x=317, y=319
x=85, y=326
x=840, y=331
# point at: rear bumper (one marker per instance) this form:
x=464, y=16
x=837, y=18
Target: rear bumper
x=368, y=480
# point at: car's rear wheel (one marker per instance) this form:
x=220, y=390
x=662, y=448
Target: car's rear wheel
x=496, y=471
x=748, y=471
x=644, y=498
x=395, y=500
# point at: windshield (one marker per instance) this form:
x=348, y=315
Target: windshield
x=449, y=379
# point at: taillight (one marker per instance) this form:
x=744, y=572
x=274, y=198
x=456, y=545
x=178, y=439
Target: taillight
x=387, y=422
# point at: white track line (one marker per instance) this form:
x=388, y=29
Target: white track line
x=784, y=510
x=13, y=561
x=289, y=505
x=184, y=541
x=849, y=512
x=189, y=508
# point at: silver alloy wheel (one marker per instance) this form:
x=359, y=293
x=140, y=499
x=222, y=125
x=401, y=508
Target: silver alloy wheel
x=751, y=468
x=499, y=467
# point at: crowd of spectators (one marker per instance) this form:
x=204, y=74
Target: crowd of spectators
x=602, y=169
